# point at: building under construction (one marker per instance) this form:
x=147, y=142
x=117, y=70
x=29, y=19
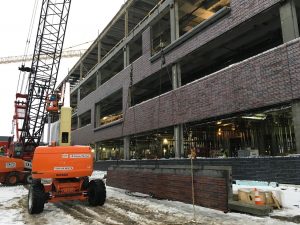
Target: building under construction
x=219, y=76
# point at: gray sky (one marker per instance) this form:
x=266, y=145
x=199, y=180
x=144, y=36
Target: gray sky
x=87, y=18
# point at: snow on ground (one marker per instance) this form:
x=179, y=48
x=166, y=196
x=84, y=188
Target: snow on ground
x=123, y=208
x=13, y=210
x=9, y=210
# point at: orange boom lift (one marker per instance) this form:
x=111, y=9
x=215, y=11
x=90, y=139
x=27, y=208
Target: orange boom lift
x=66, y=167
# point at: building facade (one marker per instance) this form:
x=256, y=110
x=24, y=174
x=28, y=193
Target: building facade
x=164, y=77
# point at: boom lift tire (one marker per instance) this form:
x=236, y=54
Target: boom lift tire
x=12, y=179
x=36, y=197
x=96, y=192
x=28, y=178
x=85, y=183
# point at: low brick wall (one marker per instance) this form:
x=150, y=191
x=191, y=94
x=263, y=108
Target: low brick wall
x=212, y=185
x=271, y=169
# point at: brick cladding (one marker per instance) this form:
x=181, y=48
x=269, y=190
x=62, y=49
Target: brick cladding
x=260, y=81
x=210, y=192
x=264, y=80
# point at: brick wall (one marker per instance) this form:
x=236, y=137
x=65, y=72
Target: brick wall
x=285, y=170
x=264, y=80
x=212, y=186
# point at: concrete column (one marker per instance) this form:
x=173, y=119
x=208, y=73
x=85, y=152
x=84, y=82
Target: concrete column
x=99, y=51
x=178, y=137
x=97, y=115
x=126, y=147
x=178, y=129
x=96, y=152
x=78, y=122
x=126, y=56
x=78, y=100
x=296, y=122
x=289, y=22
x=174, y=20
x=126, y=24
x=98, y=78
x=78, y=95
x=81, y=71
x=176, y=76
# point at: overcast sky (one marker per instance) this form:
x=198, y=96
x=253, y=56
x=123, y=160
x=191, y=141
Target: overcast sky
x=87, y=18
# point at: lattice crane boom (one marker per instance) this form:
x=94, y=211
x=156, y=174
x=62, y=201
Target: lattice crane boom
x=20, y=58
x=44, y=69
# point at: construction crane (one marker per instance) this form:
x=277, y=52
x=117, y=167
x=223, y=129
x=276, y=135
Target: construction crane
x=65, y=54
x=43, y=72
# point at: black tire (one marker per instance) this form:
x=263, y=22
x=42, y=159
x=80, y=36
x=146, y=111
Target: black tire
x=12, y=178
x=96, y=192
x=36, y=197
x=28, y=178
x=85, y=183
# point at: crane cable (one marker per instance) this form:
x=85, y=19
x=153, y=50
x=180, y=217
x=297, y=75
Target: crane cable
x=29, y=35
x=74, y=46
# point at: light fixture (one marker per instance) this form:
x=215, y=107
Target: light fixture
x=165, y=141
x=219, y=122
x=233, y=128
x=219, y=132
x=256, y=117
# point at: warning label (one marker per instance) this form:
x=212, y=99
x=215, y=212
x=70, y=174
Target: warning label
x=80, y=156
x=63, y=168
x=10, y=165
x=65, y=156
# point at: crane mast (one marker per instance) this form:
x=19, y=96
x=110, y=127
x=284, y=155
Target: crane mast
x=42, y=73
